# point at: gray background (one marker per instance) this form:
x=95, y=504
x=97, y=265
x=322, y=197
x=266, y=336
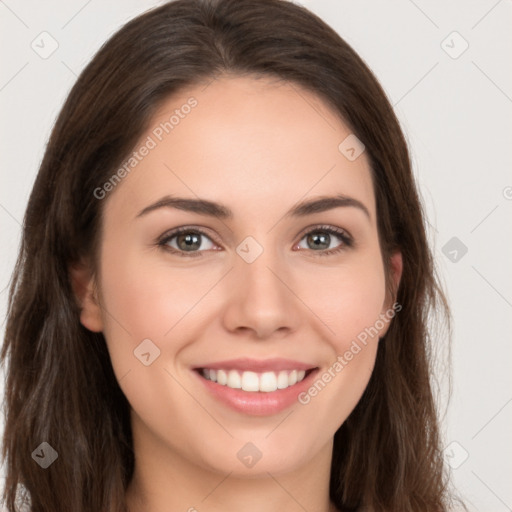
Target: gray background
x=455, y=106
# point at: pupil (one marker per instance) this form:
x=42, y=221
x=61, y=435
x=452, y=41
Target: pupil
x=190, y=241
x=319, y=240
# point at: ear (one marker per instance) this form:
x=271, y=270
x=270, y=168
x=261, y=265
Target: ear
x=389, y=311
x=85, y=290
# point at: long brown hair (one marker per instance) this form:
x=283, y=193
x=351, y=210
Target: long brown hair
x=60, y=385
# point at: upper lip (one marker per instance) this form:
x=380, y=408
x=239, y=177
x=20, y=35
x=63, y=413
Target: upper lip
x=257, y=365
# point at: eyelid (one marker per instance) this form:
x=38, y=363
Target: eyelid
x=325, y=227
x=185, y=229
x=163, y=240
x=347, y=240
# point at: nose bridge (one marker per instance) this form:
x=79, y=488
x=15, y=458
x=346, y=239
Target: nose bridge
x=259, y=298
x=256, y=266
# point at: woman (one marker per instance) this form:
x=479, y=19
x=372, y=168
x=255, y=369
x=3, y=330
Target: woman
x=222, y=293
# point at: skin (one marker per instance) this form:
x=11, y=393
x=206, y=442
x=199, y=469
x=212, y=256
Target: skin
x=257, y=146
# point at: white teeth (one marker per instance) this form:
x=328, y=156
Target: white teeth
x=222, y=377
x=252, y=381
x=234, y=380
x=268, y=382
x=282, y=380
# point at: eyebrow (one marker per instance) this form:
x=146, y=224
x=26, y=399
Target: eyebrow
x=213, y=209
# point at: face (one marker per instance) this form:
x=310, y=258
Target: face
x=242, y=335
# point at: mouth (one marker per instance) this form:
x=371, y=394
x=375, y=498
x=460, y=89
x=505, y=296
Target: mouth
x=253, y=382
x=256, y=388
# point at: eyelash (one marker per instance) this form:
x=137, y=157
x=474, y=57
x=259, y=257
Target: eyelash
x=347, y=240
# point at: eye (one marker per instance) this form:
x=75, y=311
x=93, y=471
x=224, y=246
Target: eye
x=321, y=239
x=186, y=241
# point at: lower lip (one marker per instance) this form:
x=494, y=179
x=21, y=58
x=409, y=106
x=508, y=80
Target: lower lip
x=257, y=403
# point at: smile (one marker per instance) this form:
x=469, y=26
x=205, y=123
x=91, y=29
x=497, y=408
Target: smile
x=255, y=387
x=251, y=381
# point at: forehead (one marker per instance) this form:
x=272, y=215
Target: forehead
x=249, y=142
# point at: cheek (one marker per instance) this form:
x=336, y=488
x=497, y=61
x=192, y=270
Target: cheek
x=138, y=304
x=347, y=299
x=147, y=300
x=143, y=302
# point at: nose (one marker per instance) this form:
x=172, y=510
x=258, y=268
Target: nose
x=261, y=299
